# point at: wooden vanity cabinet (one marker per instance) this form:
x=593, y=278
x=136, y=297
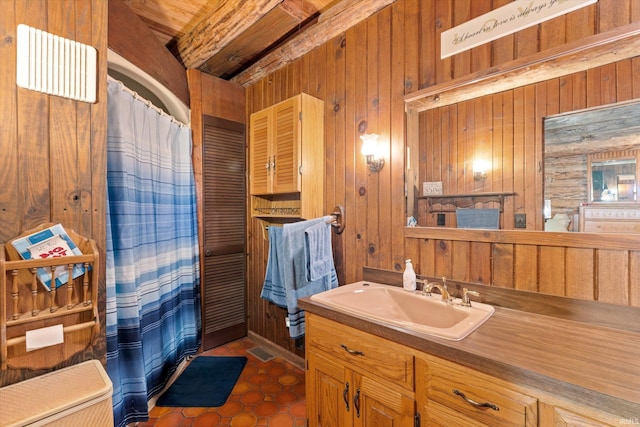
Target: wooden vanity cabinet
x=392, y=383
x=355, y=379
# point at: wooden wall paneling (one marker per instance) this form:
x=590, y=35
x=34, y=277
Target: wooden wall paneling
x=525, y=268
x=460, y=257
x=484, y=144
x=468, y=145
x=612, y=276
x=394, y=156
x=460, y=137
x=635, y=76
x=613, y=13
x=330, y=147
x=33, y=137
x=371, y=116
x=634, y=278
x=437, y=18
x=608, y=84
x=527, y=41
x=536, y=202
x=579, y=91
x=553, y=32
x=594, y=95
x=507, y=163
x=581, y=23
x=397, y=137
x=518, y=159
x=481, y=56
x=480, y=263
x=10, y=200
x=63, y=149
x=580, y=273
x=413, y=58
x=531, y=156
x=442, y=258
x=454, y=168
x=624, y=80
x=497, y=150
x=413, y=250
x=428, y=22
x=359, y=95
x=461, y=13
x=82, y=200
x=426, y=264
x=98, y=160
x=338, y=111
x=502, y=48
x=502, y=259
x=551, y=279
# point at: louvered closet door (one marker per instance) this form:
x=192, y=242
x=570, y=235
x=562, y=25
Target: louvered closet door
x=224, y=203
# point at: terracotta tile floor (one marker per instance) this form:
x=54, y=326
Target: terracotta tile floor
x=267, y=394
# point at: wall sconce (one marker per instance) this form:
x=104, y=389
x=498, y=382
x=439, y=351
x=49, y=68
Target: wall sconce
x=371, y=150
x=480, y=168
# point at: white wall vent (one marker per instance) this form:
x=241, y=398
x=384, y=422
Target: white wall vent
x=55, y=65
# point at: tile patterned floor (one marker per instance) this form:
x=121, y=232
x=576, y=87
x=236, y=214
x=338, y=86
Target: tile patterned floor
x=267, y=394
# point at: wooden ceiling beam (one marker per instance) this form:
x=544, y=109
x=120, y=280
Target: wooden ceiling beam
x=331, y=23
x=224, y=23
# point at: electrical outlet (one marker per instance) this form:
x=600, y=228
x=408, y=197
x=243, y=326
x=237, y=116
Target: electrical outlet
x=520, y=220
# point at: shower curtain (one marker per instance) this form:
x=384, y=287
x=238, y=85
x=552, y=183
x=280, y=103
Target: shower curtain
x=153, y=277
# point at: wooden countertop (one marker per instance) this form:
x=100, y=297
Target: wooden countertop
x=592, y=365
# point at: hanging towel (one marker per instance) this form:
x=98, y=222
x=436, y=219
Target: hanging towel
x=293, y=271
x=273, y=287
x=318, y=253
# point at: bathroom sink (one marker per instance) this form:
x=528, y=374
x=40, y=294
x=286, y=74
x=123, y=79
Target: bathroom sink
x=428, y=315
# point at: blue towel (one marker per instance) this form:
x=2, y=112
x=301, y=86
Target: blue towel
x=318, y=253
x=273, y=287
x=293, y=271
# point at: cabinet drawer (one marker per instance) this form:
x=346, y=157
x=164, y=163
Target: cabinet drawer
x=450, y=382
x=361, y=350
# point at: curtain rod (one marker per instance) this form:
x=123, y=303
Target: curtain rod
x=150, y=104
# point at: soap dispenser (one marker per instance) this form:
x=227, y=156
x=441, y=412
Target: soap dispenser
x=409, y=277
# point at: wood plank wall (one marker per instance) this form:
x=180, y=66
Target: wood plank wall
x=363, y=75
x=53, y=163
x=550, y=263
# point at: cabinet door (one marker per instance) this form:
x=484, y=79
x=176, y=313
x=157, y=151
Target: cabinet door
x=286, y=146
x=260, y=152
x=378, y=405
x=329, y=389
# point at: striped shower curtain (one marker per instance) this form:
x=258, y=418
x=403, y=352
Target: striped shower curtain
x=153, y=277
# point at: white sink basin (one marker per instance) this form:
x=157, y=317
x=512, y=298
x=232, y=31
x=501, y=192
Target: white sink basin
x=411, y=310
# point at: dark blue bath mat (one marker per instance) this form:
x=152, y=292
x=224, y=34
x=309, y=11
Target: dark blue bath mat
x=206, y=382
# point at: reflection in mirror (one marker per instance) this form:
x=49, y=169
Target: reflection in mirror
x=586, y=150
x=613, y=180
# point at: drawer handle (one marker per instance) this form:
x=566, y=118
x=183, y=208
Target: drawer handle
x=474, y=403
x=354, y=352
x=345, y=395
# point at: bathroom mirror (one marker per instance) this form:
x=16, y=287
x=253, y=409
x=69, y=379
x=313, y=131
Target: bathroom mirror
x=612, y=177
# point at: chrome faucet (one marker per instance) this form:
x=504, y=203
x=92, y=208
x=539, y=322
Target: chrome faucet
x=429, y=286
